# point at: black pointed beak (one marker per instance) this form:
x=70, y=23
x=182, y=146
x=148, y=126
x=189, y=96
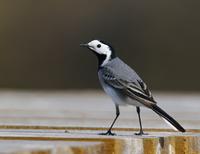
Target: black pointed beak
x=84, y=45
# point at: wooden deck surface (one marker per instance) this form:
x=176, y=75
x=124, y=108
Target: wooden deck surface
x=35, y=122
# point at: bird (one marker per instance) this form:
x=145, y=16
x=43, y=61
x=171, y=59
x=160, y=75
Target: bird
x=124, y=85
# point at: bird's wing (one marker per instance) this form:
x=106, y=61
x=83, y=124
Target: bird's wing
x=135, y=88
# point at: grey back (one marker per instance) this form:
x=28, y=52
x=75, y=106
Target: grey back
x=123, y=71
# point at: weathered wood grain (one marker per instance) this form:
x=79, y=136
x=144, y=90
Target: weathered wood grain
x=68, y=122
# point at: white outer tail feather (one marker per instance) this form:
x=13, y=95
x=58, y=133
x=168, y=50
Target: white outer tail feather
x=170, y=124
x=168, y=119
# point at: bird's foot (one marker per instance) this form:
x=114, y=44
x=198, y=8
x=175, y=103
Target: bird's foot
x=141, y=133
x=107, y=133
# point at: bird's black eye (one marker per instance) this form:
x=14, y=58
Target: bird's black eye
x=99, y=46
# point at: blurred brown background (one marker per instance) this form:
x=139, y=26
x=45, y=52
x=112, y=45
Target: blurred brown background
x=39, y=42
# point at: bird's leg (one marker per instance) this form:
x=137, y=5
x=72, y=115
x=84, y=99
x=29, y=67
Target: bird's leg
x=141, y=130
x=117, y=115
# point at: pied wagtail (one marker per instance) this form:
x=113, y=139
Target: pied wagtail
x=124, y=85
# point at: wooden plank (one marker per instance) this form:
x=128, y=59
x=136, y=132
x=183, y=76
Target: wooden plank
x=68, y=122
x=19, y=140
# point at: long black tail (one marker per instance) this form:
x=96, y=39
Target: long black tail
x=167, y=117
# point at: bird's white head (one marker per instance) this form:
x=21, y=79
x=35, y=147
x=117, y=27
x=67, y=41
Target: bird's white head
x=99, y=47
x=103, y=51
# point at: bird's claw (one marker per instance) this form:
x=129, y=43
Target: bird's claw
x=141, y=133
x=108, y=133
